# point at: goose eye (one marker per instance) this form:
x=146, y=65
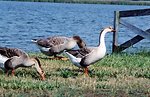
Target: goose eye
x=110, y=27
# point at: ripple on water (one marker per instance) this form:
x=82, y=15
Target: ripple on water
x=20, y=24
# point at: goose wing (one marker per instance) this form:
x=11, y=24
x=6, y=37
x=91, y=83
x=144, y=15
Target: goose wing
x=92, y=57
x=58, y=44
x=57, y=40
x=10, y=52
x=43, y=43
x=80, y=53
x=51, y=41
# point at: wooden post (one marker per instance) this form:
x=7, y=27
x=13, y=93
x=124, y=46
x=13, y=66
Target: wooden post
x=133, y=13
x=134, y=40
x=141, y=34
x=130, y=42
x=136, y=30
x=115, y=34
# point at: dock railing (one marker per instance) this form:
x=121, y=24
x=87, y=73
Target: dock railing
x=140, y=33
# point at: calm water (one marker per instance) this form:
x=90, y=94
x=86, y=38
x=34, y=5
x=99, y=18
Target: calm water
x=22, y=21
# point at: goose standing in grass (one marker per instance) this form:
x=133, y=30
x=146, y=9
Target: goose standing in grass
x=12, y=58
x=86, y=56
x=52, y=46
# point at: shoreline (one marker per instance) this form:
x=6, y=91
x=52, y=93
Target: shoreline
x=113, y=2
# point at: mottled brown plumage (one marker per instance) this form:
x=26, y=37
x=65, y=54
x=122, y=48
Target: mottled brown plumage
x=52, y=46
x=11, y=52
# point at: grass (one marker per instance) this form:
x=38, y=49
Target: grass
x=123, y=75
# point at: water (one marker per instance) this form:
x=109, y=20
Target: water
x=22, y=21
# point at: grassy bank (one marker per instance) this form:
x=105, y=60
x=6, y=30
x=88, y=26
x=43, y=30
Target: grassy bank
x=124, y=75
x=120, y=2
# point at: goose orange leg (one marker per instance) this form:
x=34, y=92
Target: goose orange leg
x=42, y=75
x=86, y=71
x=13, y=72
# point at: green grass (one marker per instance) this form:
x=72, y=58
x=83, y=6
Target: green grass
x=124, y=75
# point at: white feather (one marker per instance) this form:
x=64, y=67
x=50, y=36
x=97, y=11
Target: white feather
x=34, y=40
x=74, y=60
x=3, y=59
x=44, y=48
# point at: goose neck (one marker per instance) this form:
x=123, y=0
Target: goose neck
x=102, y=39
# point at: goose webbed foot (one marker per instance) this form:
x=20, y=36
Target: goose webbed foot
x=13, y=72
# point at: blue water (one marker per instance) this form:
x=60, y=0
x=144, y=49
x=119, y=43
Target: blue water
x=22, y=21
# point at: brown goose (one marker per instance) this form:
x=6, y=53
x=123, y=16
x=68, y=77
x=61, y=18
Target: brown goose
x=88, y=55
x=12, y=58
x=52, y=46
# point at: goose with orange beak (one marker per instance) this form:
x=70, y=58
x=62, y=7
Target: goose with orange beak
x=86, y=56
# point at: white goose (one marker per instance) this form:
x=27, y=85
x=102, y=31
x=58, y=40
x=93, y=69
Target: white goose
x=52, y=46
x=86, y=56
x=12, y=58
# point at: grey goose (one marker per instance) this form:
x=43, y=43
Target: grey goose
x=13, y=58
x=54, y=45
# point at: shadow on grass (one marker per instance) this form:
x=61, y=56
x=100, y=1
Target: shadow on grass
x=53, y=58
x=144, y=54
x=45, y=58
x=102, y=75
x=27, y=74
x=66, y=72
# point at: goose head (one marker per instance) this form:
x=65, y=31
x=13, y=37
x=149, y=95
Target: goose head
x=102, y=35
x=79, y=41
x=38, y=67
x=109, y=29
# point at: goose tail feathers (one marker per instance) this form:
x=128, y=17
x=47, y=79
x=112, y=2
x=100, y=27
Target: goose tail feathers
x=69, y=55
x=34, y=40
x=73, y=59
